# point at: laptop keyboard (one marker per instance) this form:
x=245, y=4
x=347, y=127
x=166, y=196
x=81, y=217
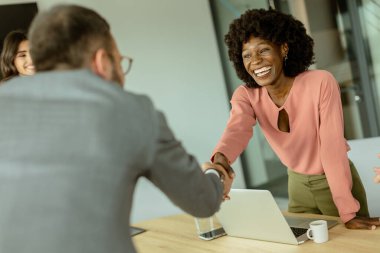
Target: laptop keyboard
x=298, y=231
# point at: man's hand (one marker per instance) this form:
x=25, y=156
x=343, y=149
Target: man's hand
x=363, y=223
x=225, y=178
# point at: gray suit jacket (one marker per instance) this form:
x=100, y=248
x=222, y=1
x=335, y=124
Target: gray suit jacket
x=72, y=147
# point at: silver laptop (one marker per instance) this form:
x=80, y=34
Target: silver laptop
x=254, y=214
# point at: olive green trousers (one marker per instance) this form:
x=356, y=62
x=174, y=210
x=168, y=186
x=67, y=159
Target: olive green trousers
x=311, y=194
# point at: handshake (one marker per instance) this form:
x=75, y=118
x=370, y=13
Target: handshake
x=222, y=166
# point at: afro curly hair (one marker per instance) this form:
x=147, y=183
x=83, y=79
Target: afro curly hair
x=274, y=26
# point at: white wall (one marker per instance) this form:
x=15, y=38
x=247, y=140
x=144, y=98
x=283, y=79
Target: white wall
x=176, y=63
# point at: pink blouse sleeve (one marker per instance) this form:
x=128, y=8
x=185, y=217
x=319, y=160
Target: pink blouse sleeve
x=334, y=150
x=239, y=128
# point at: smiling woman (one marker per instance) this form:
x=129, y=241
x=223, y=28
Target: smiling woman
x=15, y=58
x=299, y=112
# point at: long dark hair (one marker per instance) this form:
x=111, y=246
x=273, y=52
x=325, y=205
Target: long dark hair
x=9, y=52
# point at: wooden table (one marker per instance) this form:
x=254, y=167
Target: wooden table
x=177, y=234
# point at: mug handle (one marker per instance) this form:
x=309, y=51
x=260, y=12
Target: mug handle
x=308, y=234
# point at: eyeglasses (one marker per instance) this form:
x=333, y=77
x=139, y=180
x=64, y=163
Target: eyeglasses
x=126, y=64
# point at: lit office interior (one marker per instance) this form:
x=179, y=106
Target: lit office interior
x=180, y=61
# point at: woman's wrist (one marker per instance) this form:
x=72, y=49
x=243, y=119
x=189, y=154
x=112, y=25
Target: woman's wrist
x=223, y=161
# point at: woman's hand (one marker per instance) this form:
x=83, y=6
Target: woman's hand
x=224, y=177
x=220, y=159
x=363, y=223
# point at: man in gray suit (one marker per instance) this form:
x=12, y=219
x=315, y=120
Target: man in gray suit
x=74, y=143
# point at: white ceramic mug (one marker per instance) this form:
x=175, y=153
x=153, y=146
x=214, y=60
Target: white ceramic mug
x=318, y=231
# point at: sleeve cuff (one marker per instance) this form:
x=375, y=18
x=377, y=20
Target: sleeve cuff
x=212, y=171
x=347, y=217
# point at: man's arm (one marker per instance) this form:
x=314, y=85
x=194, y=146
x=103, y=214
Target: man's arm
x=180, y=177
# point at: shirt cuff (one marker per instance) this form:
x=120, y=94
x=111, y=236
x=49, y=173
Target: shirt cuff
x=212, y=171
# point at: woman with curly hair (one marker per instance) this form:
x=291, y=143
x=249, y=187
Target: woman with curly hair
x=300, y=113
x=15, y=58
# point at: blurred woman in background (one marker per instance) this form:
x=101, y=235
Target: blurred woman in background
x=15, y=58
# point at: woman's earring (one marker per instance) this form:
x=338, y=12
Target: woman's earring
x=285, y=58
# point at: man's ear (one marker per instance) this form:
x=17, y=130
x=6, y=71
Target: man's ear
x=101, y=64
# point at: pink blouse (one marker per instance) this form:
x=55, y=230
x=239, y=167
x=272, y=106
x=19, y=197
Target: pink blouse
x=315, y=143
